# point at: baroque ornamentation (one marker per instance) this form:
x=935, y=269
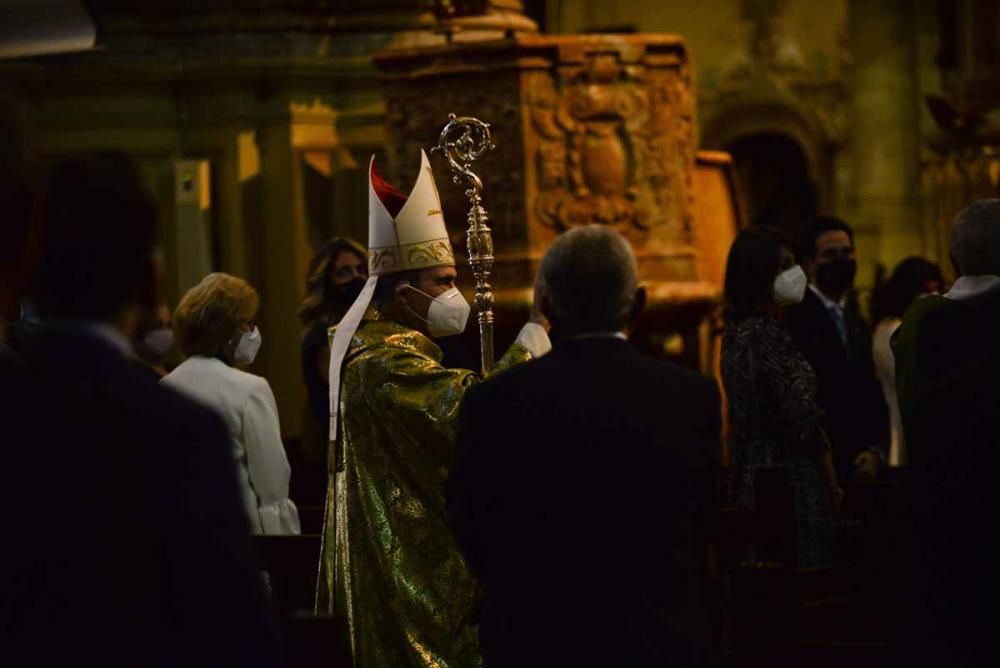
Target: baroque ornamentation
x=615, y=145
x=411, y=256
x=413, y=121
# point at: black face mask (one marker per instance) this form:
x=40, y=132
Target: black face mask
x=836, y=275
x=346, y=294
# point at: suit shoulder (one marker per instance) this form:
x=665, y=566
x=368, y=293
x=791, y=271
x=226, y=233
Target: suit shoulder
x=170, y=412
x=922, y=314
x=805, y=311
x=927, y=307
x=248, y=382
x=256, y=385
x=670, y=370
x=681, y=377
x=514, y=381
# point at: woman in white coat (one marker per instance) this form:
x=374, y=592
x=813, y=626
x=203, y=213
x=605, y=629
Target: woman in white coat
x=215, y=328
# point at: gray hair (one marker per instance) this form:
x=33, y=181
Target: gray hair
x=975, y=238
x=589, y=279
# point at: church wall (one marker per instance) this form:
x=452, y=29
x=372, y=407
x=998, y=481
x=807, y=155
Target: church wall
x=843, y=78
x=287, y=107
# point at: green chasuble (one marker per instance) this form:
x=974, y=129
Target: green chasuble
x=388, y=555
x=909, y=349
x=944, y=346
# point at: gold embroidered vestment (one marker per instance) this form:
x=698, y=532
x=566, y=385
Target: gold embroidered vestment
x=388, y=553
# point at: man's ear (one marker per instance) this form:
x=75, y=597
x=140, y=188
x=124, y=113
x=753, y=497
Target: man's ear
x=638, y=306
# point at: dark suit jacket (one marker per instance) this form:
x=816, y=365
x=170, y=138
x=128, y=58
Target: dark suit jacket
x=585, y=482
x=856, y=416
x=947, y=366
x=125, y=539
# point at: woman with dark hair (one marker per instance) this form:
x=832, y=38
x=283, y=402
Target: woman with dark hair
x=771, y=390
x=337, y=273
x=912, y=278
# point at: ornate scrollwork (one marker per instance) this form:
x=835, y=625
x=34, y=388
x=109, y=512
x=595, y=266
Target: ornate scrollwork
x=616, y=146
x=463, y=141
x=411, y=256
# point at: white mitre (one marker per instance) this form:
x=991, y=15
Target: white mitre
x=416, y=238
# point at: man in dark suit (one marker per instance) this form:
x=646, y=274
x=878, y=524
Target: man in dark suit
x=947, y=366
x=586, y=480
x=125, y=541
x=837, y=343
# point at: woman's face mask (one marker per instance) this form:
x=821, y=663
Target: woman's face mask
x=448, y=313
x=347, y=277
x=346, y=293
x=246, y=349
x=790, y=286
x=158, y=342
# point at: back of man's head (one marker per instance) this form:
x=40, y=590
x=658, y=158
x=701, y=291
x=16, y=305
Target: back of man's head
x=975, y=239
x=100, y=234
x=588, y=279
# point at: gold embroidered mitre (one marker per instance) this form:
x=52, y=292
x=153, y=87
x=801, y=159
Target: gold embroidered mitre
x=406, y=231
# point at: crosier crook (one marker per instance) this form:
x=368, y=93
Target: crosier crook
x=464, y=140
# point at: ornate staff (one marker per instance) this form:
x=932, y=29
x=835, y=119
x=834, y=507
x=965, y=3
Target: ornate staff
x=463, y=141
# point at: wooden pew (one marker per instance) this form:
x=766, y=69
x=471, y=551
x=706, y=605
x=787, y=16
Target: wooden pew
x=292, y=566
x=311, y=519
x=310, y=639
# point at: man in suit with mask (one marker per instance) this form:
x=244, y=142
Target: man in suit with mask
x=837, y=342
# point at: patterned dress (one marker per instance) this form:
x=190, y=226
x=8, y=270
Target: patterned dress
x=775, y=423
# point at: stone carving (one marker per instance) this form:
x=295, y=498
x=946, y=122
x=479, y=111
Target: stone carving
x=615, y=145
x=414, y=118
x=589, y=129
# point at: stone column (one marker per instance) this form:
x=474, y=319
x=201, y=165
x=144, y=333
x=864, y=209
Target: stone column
x=281, y=262
x=885, y=205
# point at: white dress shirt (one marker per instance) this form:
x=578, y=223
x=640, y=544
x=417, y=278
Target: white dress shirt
x=969, y=287
x=247, y=405
x=836, y=311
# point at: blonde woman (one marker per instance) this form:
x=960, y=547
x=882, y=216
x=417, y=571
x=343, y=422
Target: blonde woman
x=215, y=328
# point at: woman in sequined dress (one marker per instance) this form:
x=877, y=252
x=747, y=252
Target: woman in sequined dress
x=774, y=421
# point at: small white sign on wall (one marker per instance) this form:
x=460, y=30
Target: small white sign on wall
x=192, y=209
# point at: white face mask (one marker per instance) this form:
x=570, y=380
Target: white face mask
x=790, y=286
x=448, y=312
x=246, y=349
x=159, y=341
